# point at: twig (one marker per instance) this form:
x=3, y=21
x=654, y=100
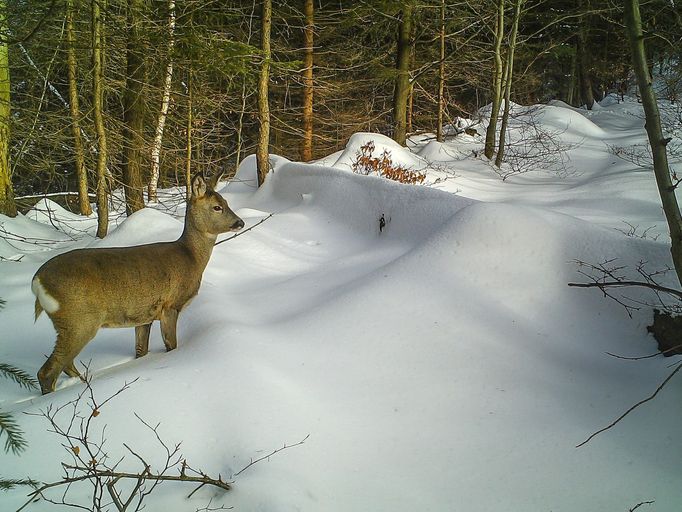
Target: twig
x=617, y=420
x=616, y=284
x=640, y=504
x=244, y=230
x=637, y=358
x=256, y=461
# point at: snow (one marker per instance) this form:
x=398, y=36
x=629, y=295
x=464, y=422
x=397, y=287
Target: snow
x=441, y=363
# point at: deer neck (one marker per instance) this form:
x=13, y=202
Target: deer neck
x=199, y=243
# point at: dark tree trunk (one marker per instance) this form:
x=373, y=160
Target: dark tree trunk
x=79, y=156
x=134, y=110
x=402, y=81
x=98, y=106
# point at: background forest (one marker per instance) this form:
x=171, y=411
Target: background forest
x=109, y=93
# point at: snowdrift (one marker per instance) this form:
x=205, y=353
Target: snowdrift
x=439, y=363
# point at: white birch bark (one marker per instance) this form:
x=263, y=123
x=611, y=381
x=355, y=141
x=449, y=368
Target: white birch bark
x=163, y=113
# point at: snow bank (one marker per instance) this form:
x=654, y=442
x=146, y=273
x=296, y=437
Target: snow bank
x=425, y=360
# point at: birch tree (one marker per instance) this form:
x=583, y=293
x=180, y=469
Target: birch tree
x=441, y=74
x=163, y=113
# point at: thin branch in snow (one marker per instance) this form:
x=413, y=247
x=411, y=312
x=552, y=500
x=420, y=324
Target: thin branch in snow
x=641, y=402
x=264, y=457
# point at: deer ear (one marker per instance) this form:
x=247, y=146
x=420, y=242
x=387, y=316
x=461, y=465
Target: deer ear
x=215, y=179
x=199, y=186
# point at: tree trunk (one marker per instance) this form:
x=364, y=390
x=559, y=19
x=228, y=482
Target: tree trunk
x=163, y=113
x=572, y=83
x=584, y=60
x=98, y=104
x=402, y=80
x=410, y=96
x=308, y=87
x=496, y=90
x=441, y=74
x=657, y=141
x=78, y=153
x=7, y=205
x=508, y=82
x=188, y=152
x=262, y=149
x=134, y=110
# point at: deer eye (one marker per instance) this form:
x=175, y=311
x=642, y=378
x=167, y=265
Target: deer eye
x=218, y=208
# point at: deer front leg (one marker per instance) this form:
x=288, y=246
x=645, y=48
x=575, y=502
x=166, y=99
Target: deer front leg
x=169, y=322
x=71, y=371
x=142, y=339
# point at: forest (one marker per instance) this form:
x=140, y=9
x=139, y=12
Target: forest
x=132, y=94
x=404, y=255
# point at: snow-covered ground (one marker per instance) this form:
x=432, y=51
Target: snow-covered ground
x=439, y=364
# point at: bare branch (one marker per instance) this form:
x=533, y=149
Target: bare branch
x=264, y=457
x=641, y=402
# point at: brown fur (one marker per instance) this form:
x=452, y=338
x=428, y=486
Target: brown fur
x=130, y=286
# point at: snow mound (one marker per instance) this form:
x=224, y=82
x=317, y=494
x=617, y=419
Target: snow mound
x=358, y=202
x=48, y=212
x=434, y=151
x=567, y=121
x=21, y=234
x=399, y=154
x=144, y=226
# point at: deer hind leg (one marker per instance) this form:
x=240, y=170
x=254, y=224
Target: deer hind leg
x=169, y=322
x=68, y=345
x=142, y=339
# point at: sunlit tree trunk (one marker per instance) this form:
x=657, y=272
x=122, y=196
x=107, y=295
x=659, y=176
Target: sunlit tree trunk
x=402, y=80
x=496, y=89
x=508, y=82
x=308, y=88
x=657, y=140
x=7, y=205
x=441, y=74
x=134, y=110
x=78, y=153
x=97, y=102
x=262, y=149
x=163, y=113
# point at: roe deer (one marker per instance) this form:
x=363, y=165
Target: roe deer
x=85, y=289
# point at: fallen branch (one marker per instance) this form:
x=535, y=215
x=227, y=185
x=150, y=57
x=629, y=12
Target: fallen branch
x=640, y=504
x=641, y=402
x=620, y=284
x=91, y=462
x=264, y=457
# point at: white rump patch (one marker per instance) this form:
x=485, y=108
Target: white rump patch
x=47, y=301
